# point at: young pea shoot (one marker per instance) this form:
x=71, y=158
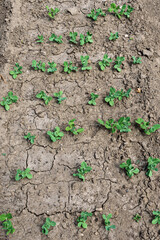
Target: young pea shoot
x=52, y=12
x=6, y=223
x=56, y=135
x=146, y=126
x=71, y=128
x=105, y=62
x=95, y=13
x=42, y=95
x=113, y=94
x=82, y=170
x=93, y=99
x=52, y=67
x=83, y=218
x=59, y=96
x=46, y=226
x=118, y=63
x=157, y=217
x=38, y=65
x=40, y=39
x=30, y=138
x=122, y=124
x=113, y=36
x=84, y=61
x=128, y=12
x=130, y=170
x=107, y=222
x=16, y=71
x=152, y=163
x=120, y=11
x=68, y=67
x=8, y=100
x=137, y=217
x=136, y=60
x=73, y=36
x=86, y=39
x=55, y=38
x=23, y=174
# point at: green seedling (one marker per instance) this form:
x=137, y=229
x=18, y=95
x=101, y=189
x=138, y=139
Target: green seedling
x=120, y=11
x=137, y=217
x=113, y=94
x=145, y=126
x=68, y=67
x=52, y=67
x=82, y=170
x=46, y=226
x=152, y=163
x=118, y=63
x=84, y=61
x=59, y=96
x=55, y=38
x=56, y=135
x=95, y=13
x=113, y=36
x=38, y=65
x=93, y=98
x=136, y=60
x=157, y=217
x=4, y=154
x=86, y=39
x=23, y=174
x=42, y=95
x=83, y=218
x=52, y=12
x=73, y=36
x=107, y=222
x=105, y=62
x=30, y=138
x=40, y=39
x=122, y=125
x=128, y=12
x=130, y=170
x=72, y=128
x=6, y=223
x=8, y=100
x=16, y=71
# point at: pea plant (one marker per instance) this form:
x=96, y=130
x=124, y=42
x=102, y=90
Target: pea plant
x=145, y=126
x=59, y=96
x=30, y=138
x=56, y=135
x=137, y=217
x=8, y=100
x=136, y=60
x=42, y=95
x=52, y=12
x=23, y=174
x=6, y=223
x=38, y=65
x=120, y=11
x=68, y=67
x=113, y=94
x=52, y=67
x=152, y=163
x=82, y=170
x=40, y=39
x=73, y=36
x=157, y=217
x=118, y=63
x=46, y=226
x=107, y=222
x=95, y=13
x=86, y=39
x=113, y=36
x=55, y=38
x=83, y=218
x=84, y=61
x=130, y=170
x=105, y=62
x=16, y=71
x=71, y=128
x=93, y=99
x=122, y=124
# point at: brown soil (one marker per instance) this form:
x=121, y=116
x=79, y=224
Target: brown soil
x=53, y=191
